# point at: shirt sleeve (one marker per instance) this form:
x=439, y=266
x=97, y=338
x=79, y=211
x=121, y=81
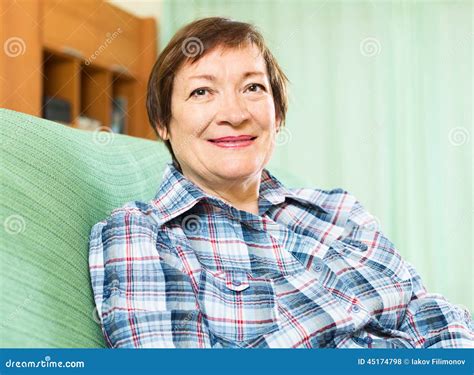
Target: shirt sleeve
x=433, y=322
x=124, y=234
x=430, y=319
x=136, y=285
x=96, y=270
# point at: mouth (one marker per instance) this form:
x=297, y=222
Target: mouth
x=233, y=142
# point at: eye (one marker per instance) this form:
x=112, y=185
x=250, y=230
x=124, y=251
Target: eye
x=199, y=92
x=253, y=87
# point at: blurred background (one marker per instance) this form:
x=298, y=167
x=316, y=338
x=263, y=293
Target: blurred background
x=380, y=99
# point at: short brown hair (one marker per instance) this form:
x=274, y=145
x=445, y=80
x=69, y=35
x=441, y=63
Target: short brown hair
x=192, y=42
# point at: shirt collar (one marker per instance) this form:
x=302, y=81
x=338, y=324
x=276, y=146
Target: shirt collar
x=177, y=194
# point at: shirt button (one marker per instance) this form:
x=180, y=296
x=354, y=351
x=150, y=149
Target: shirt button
x=363, y=247
x=236, y=282
x=318, y=267
x=355, y=308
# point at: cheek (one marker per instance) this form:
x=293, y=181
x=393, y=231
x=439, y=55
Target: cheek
x=189, y=122
x=199, y=115
x=264, y=112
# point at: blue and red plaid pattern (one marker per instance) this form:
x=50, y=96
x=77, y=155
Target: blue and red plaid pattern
x=313, y=269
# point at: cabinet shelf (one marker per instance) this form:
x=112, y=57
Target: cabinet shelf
x=84, y=59
x=96, y=94
x=60, y=81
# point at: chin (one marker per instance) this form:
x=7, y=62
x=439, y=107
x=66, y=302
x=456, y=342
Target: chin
x=236, y=169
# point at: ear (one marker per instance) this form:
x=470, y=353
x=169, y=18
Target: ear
x=278, y=123
x=162, y=131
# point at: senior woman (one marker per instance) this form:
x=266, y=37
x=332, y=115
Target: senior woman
x=225, y=255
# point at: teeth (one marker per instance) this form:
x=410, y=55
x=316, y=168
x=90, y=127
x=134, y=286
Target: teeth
x=237, y=141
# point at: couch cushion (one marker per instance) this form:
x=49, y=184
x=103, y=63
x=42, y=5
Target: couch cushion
x=56, y=183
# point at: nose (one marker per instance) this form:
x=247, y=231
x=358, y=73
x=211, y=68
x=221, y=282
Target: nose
x=232, y=110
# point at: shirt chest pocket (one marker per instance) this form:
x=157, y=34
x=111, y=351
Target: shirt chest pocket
x=237, y=306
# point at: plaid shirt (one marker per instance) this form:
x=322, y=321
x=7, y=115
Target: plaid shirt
x=311, y=270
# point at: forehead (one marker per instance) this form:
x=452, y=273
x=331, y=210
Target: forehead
x=231, y=60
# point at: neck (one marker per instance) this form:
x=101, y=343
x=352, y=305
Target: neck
x=241, y=194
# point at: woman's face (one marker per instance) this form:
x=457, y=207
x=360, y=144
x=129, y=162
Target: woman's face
x=224, y=94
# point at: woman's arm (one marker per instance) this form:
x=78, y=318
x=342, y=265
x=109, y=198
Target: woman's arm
x=428, y=318
x=433, y=322
x=142, y=296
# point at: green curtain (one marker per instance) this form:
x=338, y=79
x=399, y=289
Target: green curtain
x=380, y=105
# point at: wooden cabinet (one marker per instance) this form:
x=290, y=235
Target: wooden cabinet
x=86, y=52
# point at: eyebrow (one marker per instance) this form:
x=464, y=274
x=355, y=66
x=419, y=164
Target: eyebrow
x=210, y=77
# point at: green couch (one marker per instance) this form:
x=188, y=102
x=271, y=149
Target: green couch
x=56, y=183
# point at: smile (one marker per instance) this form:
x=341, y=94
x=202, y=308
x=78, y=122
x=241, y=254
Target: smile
x=233, y=143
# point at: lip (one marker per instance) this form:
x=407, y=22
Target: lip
x=233, y=142
x=244, y=137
